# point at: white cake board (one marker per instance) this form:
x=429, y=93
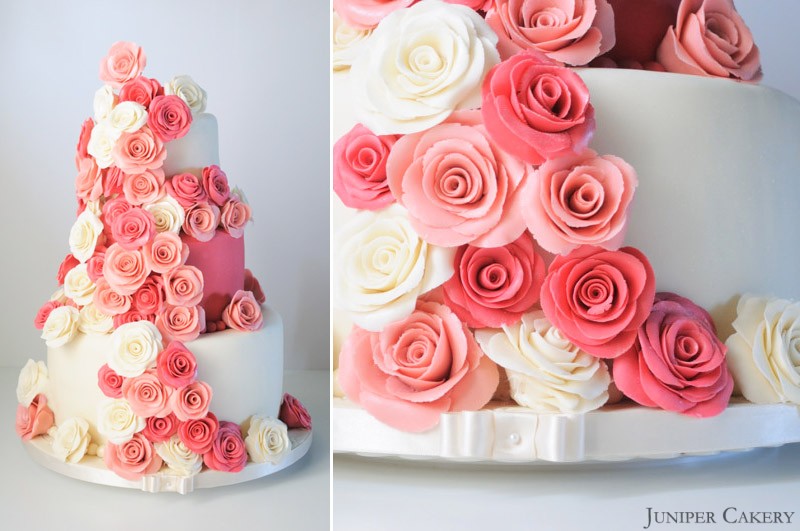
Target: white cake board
x=93, y=470
x=506, y=433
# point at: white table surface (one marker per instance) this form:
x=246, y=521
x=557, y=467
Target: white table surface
x=33, y=498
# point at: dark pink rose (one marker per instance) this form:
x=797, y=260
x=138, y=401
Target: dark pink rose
x=160, y=429
x=149, y=298
x=359, y=169
x=215, y=183
x=89, y=181
x=44, y=313
x=141, y=90
x=109, y=382
x=125, y=61
x=365, y=14
x=113, y=180
x=145, y=187
x=457, y=185
x=201, y=221
x=183, y=286
x=676, y=363
x=131, y=316
x=165, y=252
x=176, y=365
x=414, y=370
x=252, y=285
x=495, y=286
x=133, y=459
x=139, y=151
x=234, y=216
x=710, y=39
x=228, y=452
x=293, y=413
x=169, y=117
x=598, y=298
x=35, y=419
x=639, y=27
x=133, y=228
x=109, y=301
x=66, y=266
x=243, y=313
x=535, y=109
x=83, y=141
x=114, y=208
x=124, y=269
x=181, y=323
x=94, y=265
x=147, y=395
x=187, y=189
x=199, y=434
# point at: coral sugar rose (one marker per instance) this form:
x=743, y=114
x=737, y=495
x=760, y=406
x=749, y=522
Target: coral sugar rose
x=125, y=60
x=169, y=117
x=677, y=363
x=359, y=168
x=598, y=298
x=416, y=369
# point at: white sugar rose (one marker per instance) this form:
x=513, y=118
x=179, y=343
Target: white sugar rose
x=71, y=439
x=178, y=457
x=545, y=371
x=134, y=347
x=84, y=234
x=61, y=326
x=186, y=89
x=267, y=439
x=101, y=144
x=95, y=207
x=168, y=213
x=348, y=43
x=764, y=351
x=104, y=101
x=117, y=421
x=382, y=265
x=93, y=321
x=127, y=117
x=32, y=381
x=58, y=296
x=422, y=63
x=78, y=286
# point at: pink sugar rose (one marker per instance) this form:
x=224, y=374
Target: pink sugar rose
x=113, y=180
x=125, y=61
x=677, y=362
x=139, y=151
x=141, y=90
x=710, y=39
x=176, y=365
x=457, y=185
x=493, y=287
x=83, y=141
x=169, y=117
x=243, y=313
x=293, y=413
x=149, y=298
x=109, y=382
x=252, y=285
x=568, y=31
x=414, y=370
x=199, y=434
x=35, y=419
x=44, y=313
x=359, y=169
x=228, y=452
x=147, y=395
x=94, y=266
x=201, y=221
x=580, y=200
x=165, y=252
x=108, y=301
x=234, y=216
x=477, y=5
x=181, y=323
x=160, y=429
x=66, y=266
x=365, y=14
x=133, y=228
x=124, y=269
x=114, y=208
x=145, y=187
x=132, y=316
x=191, y=401
x=89, y=181
x=183, y=286
x=133, y=459
x=537, y=110
x=598, y=298
x=215, y=183
x=187, y=189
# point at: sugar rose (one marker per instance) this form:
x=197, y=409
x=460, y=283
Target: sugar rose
x=31, y=382
x=178, y=457
x=84, y=234
x=190, y=92
x=125, y=61
x=243, y=312
x=191, y=401
x=183, y=285
x=168, y=213
x=139, y=151
x=187, y=189
x=109, y=382
x=149, y=298
x=160, y=429
x=117, y=422
x=348, y=42
x=89, y=181
x=93, y=321
x=176, y=365
x=414, y=370
x=359, y=169
x=145, y=187
x=134, y=348
x=228, y=452
x=102, y=143
x=267, y=439
x=215, y=183
x=125, y=270
x=201, y=221
x=293, y=413
x=199, y=434
x=78, y=286
x=141, y=90
x=34, y=419
x=165, y=252
x=66, y=265
x=234, y=216
x=367, y=13
x=147, y=395
x=181, y=323
x=127, y=116
x=108, y=301
x=132, y=459
x=61, y=326
x=169, y=117
x=44, y=313
x=133, y=228
x=71, y=440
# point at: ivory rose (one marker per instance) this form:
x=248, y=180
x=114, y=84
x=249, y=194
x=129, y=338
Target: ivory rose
x=414, y=370
x=176, y=365
x=359, y=169
x=32, y=381
x=201, y=221
x=84, y=234
x=178, y=457
x=34, y=419
x=61, y=326
x=168, y=213
x=44, y=313
x=169, y=117
x=78, y=286
x=293, y=413
x=141, y=90
x=243, y=312
x=165, y=252
x=71, y=440
x=139, y=151
x=103, y=103
x=134, y=348
x=127, y=117
x=190, y=92
x=145, y=187
x=125, y=270
x=267, y=439
x=198, y=434
x=234, y=216
x=228, y=452
x=102, y=144
x=181, y=323
x=125, y=61
x=93, y=321
x=147, y=395
x=348, y=43
x=132, y=459
x=108, y=301
x=109, y=382
x=117, y=421
x=367, y=13
x=160, y=429
x=215, y=184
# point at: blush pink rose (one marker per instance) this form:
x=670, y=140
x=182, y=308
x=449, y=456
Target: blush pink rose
x=252, y=285
x=293, y=413
x=141, y=90
x=181, y=323
x=83, y=141
x=147, y=395
x=44, y=313
x=113, y=180
x=234, y=216
x=494, y=286
x=359, y=169
x=243, y=312
x=139, y=151
x=66, y=266
x=191, y=401
x=89, y=181
x=124, y=269
x=365, y=14
x=94, y=265
x=132, y=316
x=201, y=221
x=414, y=370
x=537, y=110
x=169, y=117
x=113, y=208
x=133, y=228
x=165, y=252
x=160, y=429
x=145, y=187
x=183, y=286
x=125, y=61
x=228, y=452
x=35, y=419
x=710, y=39
x=176, y=365
x=187, y=189
x=598, y=298
x=215, y=183
x=109, y=382
x=133, y=459
x=457, y=185
x=199, y=434
x=149, y=298
x=580, y=200
x=677, y=362
x=108, y=301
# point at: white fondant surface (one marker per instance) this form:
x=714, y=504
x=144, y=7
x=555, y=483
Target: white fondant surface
x=197, y=149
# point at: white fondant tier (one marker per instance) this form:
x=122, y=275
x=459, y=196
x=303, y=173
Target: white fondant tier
x=244, y=370
x=197, y=149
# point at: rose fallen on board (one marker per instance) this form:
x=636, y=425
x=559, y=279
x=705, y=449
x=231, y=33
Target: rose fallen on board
x=34, y=419
x=293, y=413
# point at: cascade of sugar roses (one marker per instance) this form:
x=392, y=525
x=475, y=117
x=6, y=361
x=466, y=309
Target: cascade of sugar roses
x=479, y=238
